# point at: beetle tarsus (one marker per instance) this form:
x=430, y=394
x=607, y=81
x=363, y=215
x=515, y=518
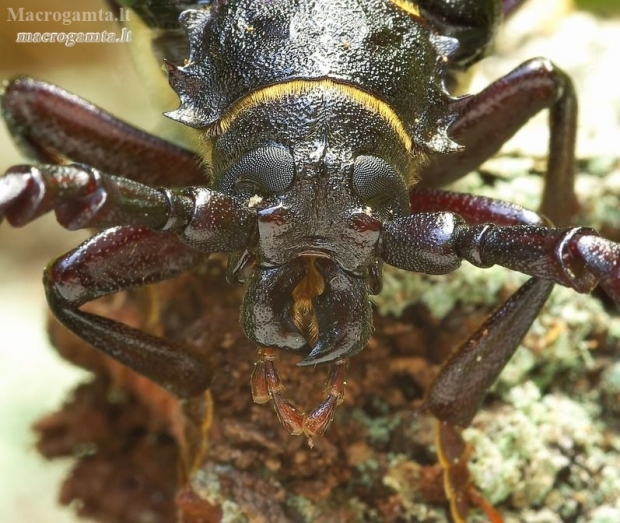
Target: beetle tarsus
x=454, y=454
x=489, y=510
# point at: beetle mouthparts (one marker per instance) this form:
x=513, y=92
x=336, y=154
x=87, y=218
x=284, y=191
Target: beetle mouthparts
x=309, y=306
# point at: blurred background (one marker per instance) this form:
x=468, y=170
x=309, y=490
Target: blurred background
x=33, y=381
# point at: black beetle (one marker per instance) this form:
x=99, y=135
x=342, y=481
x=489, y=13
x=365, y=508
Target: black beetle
x=326, y=127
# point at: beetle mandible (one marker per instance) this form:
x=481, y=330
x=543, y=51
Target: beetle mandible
x=327, y=127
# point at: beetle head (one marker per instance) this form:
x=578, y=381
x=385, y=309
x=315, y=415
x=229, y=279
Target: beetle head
x=320, y=208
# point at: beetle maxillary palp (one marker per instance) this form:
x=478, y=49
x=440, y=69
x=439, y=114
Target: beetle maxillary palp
x=316, y=423
x=266, y=385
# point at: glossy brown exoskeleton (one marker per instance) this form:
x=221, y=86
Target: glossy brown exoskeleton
x=325, y=128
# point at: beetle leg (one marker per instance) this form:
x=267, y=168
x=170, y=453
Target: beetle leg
x=574, y=257
x=488, y=119
x=435, y=243
x=458, y=390
x=99, y=267
x=83, y=197
x=473, y=208
x=454, y=454
x=51, y=125
x=456, y=393
x=267, y=385
x=577, y=257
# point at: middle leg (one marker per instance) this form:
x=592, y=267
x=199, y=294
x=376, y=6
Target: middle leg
x=485, y=121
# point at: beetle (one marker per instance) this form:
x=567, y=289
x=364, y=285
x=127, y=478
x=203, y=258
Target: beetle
x=325, y=143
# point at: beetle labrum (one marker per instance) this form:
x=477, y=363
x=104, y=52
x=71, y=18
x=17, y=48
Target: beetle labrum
x=326, y=126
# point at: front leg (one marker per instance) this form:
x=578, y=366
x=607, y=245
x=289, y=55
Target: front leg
x=116, y=260
x=195, y=221
x=84, y=197
x=435, y=241
x=456, y=393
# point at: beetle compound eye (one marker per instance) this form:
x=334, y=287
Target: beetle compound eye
x=378, y=185
x=266, y=171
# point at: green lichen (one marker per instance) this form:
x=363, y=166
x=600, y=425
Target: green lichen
x=206, y=484
x=610, y=388
x=606, y=515
x=379, y=428
x=402, y=476
x=524, y=446
x=365, y=473
x=303, y=506
x=310, y=511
